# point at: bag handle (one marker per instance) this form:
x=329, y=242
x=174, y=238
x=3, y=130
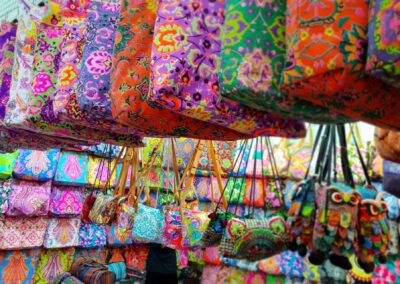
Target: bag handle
x=117, y=161
x=217, y=171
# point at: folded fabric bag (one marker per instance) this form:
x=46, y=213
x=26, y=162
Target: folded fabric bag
x=72, y=168
x=62, y=232
x=18, y=266
x=66, y=201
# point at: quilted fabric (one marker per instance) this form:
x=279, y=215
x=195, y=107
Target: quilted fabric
x=194, y=225
x=149, y=224
x=7, y=162
x=52, y=263
x=66, y=201
x=190, y=86
x=36, y=165
x=29, y=198
x=383, y=47
x=172, y=235
x=72, y=168
x=92, y=235
x=62, y=232
x=18, y=266
x=22, y=232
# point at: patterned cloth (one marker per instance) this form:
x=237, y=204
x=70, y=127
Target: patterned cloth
x=186, y=60
x=66, y=201
x=92, y=235
x=62, y=232
x=18, y=266
x=149, y=224
x=72, y=168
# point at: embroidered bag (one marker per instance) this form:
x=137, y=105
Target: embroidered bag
x=66, y=201
x=190, y=86
x=149, y=224
x=72, y=169
x=383, y=48
x=29, y=198
x=5, y=189
x=52, y=263
x=22, y=232
x=104, y=209
x=7, y=162
x=36, y=165
x=18, y=266
x=92, y=235
x=62, y=232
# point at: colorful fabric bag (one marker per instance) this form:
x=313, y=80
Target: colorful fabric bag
x=292, y=264
x=254, y=192
x=100, y=172
x=104, y=209
x=172, y=235
x=29, y=198
x=119, y=269
x=149, y=224
x=52, y=263
x=383, y=48
x=89, y=271
x=190, y=86
x=22, y=233
x=210, y=274
x=234, y=190
x=339, y=82
x=129, y=92
x=92, y=235
x=18, y=266
x=62, y=232
x=255, y=278
x=136, y=256
x=194, y=225
x=36, y=165
x=72, y=169
x=7, y=162
x=299, y=156
x=224, y=150
x=98, y=254
x=116, y=237
x=211, y=255
x=66, y=201
x=5, y=189
x=271, y=265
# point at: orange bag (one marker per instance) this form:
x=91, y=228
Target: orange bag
x=131, y=76
x=327, y=43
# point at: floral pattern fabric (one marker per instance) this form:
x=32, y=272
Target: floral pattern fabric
x=194, y=225
x=36, y=165
x=383, y=61
x=190, y=86
x=172, y=235
x=7, y=162
x=136, y=256
x=92, y=235
x=149, y=224
x=100, y=172
x=252, y=59
x=5, y=189
x=52, y=263
x=28, y=198
x=18, y=266
x=22, y=232
x=62, y=232
x=72, y=169
x=335, y=78
x=66, y=201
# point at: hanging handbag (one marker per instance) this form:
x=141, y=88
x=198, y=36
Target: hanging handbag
x=149, y=224
x=36, y=165
x=12, y=273
x=383, y=48
x=52, y=263
x=29, y=198
x=72, y=169
x=22, y=232
x=387, y=144
x=92, y=235
x=190, y=87
x=62, y=232
x=66, y=201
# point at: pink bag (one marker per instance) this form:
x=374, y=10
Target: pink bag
x=172, y=235
x=29, y=198
x=21, y=233
x=66, y=201
x=62, y=232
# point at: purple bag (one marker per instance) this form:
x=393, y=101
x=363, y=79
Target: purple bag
x=66, y=201
x=29, y=198
x=186, y=60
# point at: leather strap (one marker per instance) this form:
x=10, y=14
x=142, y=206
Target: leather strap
x=217, y=172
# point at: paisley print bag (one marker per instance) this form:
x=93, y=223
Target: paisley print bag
x=383, y=61
x=92, y=235
x=22, y=233
x=72, y=168
x=36, y=165
x=53, y=263
x=190, y=86
x=66, y=201
x=18, y=266
x=7, y=162
x=149, y=224
x=29, y=198
x=62, y=232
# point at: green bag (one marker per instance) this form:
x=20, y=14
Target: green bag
x=7, y=162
